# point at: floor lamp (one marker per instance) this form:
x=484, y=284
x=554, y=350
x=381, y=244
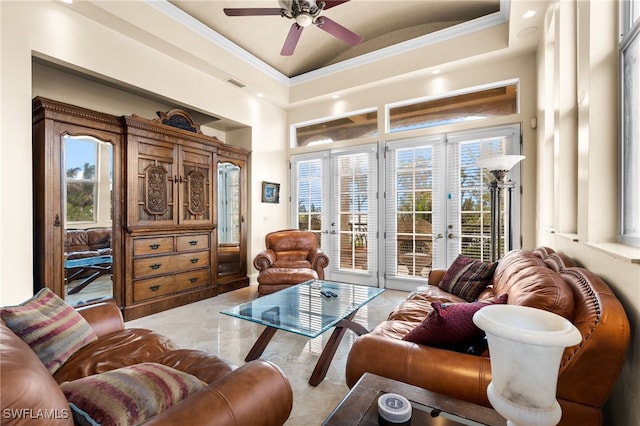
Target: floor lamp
x=499, y=166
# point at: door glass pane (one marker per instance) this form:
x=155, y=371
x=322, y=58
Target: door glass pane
x=353, y=201
x=470, y=215
x=308, y=177
x=412, y=226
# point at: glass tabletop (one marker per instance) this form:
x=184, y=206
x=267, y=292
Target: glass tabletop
x=303, y=309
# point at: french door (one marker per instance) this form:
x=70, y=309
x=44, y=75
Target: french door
x=430, y=204
x=335, y=195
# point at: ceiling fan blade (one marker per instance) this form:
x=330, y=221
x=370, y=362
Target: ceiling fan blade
x=338, y=31
x=330, y=4
x=292, y=40
x=252, y=11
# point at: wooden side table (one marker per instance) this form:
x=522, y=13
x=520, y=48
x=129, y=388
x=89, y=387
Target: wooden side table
x=360, y=406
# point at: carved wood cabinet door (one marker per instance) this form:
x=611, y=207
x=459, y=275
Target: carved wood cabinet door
x=195, y=183
x=154, y=197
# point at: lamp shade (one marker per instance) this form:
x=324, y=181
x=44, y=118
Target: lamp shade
x=500, y=162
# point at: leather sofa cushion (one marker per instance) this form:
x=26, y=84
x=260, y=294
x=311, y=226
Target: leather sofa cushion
x=287, y=276
x=528, y=281
x=118, y=349
x=292, y=263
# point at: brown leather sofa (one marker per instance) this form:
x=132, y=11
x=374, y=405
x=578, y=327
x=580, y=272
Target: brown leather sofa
x=291, y=256
x=256, y=393
x=81, y=243
x=539, y=278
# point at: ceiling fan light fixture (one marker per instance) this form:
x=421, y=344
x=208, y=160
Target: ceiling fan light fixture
x=304, y=19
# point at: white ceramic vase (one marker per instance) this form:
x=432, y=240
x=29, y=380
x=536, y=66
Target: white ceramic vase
x=526, y=346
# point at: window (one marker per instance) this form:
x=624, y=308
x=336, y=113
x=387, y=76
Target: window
x=472, y=104
x=352, y=126
x=80, y=172
x=629, y=202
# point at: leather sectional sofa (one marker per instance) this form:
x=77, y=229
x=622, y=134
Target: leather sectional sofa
x=541, y=279
x=256, y=393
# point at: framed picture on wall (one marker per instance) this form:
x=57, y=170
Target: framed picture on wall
x=270, y=192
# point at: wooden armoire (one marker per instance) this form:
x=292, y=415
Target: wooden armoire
x=168, y=182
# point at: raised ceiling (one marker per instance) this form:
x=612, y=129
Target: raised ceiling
x=381, y=24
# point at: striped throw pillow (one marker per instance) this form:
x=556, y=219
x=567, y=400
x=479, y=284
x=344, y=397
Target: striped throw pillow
x=128, y=395
x=54, y=329
x=466, y=277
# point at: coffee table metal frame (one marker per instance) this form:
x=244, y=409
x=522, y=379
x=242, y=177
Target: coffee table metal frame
x=100, y=265
x=302, y=309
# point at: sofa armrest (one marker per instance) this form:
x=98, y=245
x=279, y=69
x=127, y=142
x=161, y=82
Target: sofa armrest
x=258, y=394
x=104, y=317
x=264, y=260
x=435, y=276
x=456, y=374
x=319, y=260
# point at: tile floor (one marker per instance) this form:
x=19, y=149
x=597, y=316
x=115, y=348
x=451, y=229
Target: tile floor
x=201, y=326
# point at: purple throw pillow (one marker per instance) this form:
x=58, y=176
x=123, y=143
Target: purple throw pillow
x=450, y=325
x=466, y=277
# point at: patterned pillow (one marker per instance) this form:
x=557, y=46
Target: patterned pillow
x=467, y=277
x=128, y=395
x=450, y=325
x=53, y=329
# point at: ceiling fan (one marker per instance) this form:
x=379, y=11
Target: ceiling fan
x=305, y=13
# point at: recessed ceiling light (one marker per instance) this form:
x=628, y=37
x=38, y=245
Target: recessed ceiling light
x=435, y=72
x=528, y=14
x=67, y=1
x=260, y=95
x=335, y=97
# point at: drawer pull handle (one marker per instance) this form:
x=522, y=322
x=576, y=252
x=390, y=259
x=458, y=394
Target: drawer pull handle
x=193, y=242
x=154, y=288
x=154, y=246
x=194, y=260
x=193, y=280
x=155, y=266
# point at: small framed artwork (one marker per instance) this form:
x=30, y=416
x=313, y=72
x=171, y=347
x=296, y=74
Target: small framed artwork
x=270, y=192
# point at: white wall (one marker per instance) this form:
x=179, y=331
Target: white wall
x=51, y=31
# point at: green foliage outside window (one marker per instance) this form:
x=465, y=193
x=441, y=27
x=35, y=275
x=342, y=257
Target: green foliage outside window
x=80, y=194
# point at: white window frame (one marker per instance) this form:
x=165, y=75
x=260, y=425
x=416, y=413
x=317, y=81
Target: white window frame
x=629, y=143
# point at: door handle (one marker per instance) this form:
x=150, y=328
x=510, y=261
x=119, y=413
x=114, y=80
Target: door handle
x=452, y=236
x=439, y=236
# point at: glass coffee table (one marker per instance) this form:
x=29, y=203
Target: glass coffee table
x=308, y=309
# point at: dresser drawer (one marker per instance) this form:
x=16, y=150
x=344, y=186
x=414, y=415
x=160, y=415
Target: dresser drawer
x=159, y=265
x=144, y=246
x=169, y=284
x=191, y=279
x=154, y=287
x=192, y=242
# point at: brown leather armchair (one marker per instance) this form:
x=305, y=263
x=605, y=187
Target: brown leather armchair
x=291, y=256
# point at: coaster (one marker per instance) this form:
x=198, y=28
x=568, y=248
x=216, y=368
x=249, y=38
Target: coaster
x=394, y=408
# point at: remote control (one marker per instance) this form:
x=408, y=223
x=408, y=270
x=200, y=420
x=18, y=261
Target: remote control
x=325, y=293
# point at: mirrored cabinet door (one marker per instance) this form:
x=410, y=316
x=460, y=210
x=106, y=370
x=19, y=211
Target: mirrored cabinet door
x=231, y=226
x=76, y=158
